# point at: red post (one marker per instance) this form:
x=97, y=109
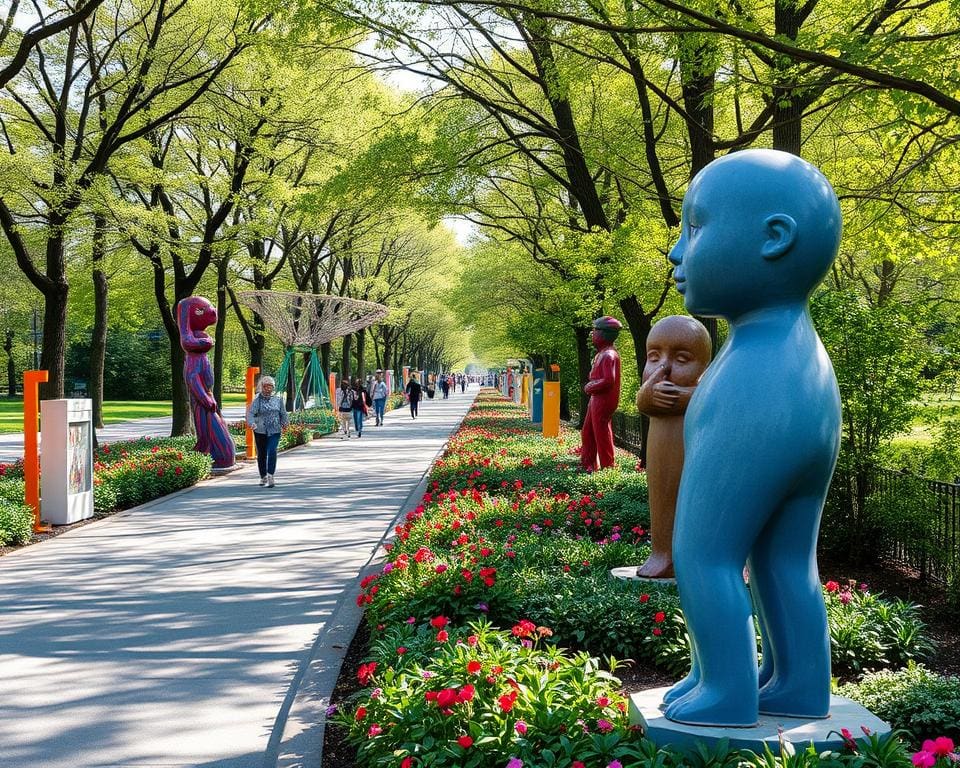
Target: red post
x=252, y=372
x=31, y=457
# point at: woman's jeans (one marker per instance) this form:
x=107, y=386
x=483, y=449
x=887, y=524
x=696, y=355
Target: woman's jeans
x=358, y=420
x=266, y=452
x=379, y=407
x=413, y=407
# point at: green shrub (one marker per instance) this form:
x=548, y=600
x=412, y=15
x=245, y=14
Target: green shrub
x=914, y=699
x=138, y=477
x=868, y=631
x=16, y=518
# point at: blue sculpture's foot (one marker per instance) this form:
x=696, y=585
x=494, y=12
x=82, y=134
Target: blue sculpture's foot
x=712, y=706
x=797, y=698
x=682, y=688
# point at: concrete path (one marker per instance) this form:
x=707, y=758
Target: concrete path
x=11, y=444
x=205, y=629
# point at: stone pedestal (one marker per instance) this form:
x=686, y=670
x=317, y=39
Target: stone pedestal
x=825, y=734
x=629, y=573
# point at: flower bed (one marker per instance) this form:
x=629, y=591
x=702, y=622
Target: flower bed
x=512, y=534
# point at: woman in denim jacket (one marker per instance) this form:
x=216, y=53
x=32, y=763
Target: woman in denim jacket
x=267, y=417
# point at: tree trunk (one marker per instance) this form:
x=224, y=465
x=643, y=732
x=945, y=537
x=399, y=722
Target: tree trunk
x=584, y=362
x=639, y=324
x=325, y=359
x=11, y=369
x=222, y=272
x=54, y=343
x=345, y=369
x=98, y=339
x=361, y=337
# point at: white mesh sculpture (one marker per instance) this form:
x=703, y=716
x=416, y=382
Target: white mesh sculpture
x=304, y=321
x=309, y=320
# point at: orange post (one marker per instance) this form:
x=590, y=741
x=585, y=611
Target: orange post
x=551, y=404
x=252, y=372
x=332, y=386
x=31, y=457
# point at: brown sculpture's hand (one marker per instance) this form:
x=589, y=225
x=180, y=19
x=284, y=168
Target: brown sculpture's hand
x=646, y=396
x=668, y=395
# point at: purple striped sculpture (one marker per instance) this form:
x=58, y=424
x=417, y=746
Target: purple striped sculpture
x=193, y=315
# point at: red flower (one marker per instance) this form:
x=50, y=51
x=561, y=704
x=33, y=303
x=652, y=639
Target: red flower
x=401, y=650
x=407, y=762
x=832, y=586
x=442, y=636
x=524, y=628
x=361, y=713
x=439, y=622
x=365, y=673
x=644, y=598
x=507, y=701
x=447, y=698
x=465, y=741
x=659, y=617
x=466, y=693
x=473, y=667
x=657, y=631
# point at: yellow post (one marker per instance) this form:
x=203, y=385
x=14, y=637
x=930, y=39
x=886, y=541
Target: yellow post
x=252, y=372
x=551, y=408
x=525, y=390
x=31, y=456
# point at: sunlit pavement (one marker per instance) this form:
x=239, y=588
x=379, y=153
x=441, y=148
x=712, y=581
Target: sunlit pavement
x=207, y=628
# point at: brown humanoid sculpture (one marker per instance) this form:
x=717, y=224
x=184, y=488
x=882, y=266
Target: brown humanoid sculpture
x=678, y=352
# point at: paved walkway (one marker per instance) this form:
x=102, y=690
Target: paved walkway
x=11, y=444
x=205, y=629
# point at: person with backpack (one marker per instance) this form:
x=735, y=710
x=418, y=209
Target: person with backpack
x=413, y=391
x=267, y=417
x=361, y=405
x=345, y=398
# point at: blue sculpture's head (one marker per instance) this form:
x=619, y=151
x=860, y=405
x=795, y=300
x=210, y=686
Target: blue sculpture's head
x=760, y=229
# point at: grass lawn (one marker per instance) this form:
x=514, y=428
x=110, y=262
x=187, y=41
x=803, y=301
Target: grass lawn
x=11, y=411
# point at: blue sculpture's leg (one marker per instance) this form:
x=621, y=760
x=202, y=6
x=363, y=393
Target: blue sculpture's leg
x=785, y=581
x=766, y=662
x=689, y=682
x=709, y=559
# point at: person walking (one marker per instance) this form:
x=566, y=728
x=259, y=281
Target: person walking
x=379, y=398
x=361, y=405
x=413, y=391
x=345, y=399
x=463, y=383
x=267, y=417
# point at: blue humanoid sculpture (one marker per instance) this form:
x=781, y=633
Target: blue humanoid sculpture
x=762, y=433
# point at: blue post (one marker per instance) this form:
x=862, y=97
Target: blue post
x=536, y=411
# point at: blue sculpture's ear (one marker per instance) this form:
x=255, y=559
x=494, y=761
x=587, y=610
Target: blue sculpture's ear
x=781, y=234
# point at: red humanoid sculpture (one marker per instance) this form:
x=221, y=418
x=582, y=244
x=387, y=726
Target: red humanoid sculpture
x=604, y=390
x=193, y=315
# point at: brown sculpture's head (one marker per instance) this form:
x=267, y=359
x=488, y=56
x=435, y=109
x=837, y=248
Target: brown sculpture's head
x=195, y=313
x=682, y=345
x=605, y=331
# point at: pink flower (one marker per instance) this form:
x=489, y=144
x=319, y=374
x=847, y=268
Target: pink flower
x=845, y=597
x=614, y=764
x=924, y=759
x=375, y=730
x=941, y=746
x=514, y=762
x=604, y=726
x=520, y=727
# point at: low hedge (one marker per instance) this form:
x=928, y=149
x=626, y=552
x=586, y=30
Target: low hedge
x=922, y=703
x=16, y=518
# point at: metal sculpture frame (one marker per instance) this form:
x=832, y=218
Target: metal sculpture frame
x=304, y=321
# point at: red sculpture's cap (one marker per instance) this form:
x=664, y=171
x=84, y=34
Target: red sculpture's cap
x=607, y=323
